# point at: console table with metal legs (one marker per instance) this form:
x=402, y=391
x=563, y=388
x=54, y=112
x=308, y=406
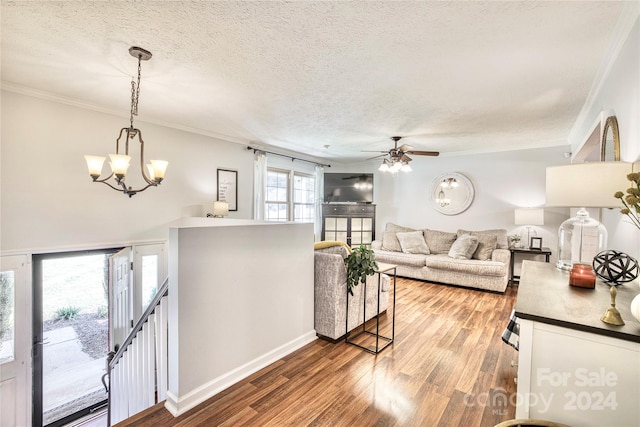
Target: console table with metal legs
x=513, y=279
x=382, y=268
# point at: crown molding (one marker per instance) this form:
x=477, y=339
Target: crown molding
x=628, y=16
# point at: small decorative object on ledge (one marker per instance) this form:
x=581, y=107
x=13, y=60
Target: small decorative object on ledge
x=220, y=209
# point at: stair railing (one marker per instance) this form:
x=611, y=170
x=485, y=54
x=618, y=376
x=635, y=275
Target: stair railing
x=137, y=373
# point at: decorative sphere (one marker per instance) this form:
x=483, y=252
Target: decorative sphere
x=615, y=267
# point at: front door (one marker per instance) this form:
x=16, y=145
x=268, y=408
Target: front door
x=14, y=341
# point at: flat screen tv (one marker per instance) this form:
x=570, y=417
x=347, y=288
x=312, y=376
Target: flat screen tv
x=348, y=188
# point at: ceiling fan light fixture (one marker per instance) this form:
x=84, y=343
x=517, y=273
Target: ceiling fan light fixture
x=384, y=167
x=405, y=167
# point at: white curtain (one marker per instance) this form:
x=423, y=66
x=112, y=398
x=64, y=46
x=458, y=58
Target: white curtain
x=319, y=196
x=259, y=184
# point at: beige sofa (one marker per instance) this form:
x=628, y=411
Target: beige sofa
x=439, y=256
x=330, y=295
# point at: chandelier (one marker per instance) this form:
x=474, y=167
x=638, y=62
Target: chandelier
x=119, y=162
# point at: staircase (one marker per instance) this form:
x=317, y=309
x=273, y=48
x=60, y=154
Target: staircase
x=136, y=377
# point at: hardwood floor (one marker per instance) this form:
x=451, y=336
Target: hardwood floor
x=447, y=367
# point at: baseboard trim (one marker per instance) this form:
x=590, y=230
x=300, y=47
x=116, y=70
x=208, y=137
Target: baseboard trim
x=178, y=405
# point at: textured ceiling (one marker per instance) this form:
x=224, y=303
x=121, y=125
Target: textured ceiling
x=450, y=76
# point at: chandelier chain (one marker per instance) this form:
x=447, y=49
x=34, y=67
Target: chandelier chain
x=135, y=92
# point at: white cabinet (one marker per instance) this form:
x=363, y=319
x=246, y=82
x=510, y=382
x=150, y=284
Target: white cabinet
x=577, y=378
x=572, y=367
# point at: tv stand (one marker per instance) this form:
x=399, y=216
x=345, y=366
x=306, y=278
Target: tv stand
x=353, y=224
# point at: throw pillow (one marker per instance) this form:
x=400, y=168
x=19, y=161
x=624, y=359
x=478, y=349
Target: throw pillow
x=486, y=245
x=390, y=241
x=412, y=242
x=500, y=233
x=439, y=242
x=464, y=247
x=487, y=242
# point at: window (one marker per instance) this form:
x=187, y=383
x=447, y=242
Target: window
x=303, y=198
x=277, y=199
x=290, y=196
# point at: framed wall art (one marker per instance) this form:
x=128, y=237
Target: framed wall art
x=228, y=188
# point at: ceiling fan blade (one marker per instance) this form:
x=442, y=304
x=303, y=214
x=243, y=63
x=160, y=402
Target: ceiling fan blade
x=423, y=153
x=405, y=148
x=378, y=156
x=405, y=158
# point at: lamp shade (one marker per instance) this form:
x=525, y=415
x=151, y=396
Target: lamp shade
x=220, y=209
x=587, y=185
x=529, y=217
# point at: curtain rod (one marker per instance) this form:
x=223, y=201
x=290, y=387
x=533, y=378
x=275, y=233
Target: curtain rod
x=285, y=155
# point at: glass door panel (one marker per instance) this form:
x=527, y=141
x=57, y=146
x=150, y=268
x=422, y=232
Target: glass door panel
x=15, y=344
x=7, y=314
x=71, y=316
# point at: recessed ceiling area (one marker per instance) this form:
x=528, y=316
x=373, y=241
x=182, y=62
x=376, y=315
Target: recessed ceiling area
x=327, y=79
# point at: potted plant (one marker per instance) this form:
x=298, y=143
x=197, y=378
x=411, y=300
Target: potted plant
x=515, y=240
x=360, y=264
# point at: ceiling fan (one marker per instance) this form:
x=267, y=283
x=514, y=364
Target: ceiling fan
x=396, y=159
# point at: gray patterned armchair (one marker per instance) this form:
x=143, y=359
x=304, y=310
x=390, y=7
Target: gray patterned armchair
x=330, y=289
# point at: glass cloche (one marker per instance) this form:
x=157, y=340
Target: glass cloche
x=580, y=239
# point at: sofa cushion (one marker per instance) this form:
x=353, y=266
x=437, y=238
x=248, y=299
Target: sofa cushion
x=439, y=242
x=412, y=242
x=470, y=266
x=390, y=242
x=338, y=249
x=399, y=258
x=397, y=228
x=463, y=247
x=500, y=233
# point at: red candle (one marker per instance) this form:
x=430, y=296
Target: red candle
x=582, y=276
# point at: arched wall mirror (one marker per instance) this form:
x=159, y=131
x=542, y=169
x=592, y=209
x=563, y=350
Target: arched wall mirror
x=610, y=146
x=452, y=193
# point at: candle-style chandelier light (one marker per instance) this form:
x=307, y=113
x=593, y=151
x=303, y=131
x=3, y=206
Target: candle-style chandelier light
x=120, y=161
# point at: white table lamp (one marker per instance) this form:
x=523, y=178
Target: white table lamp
x=220, y=209
x=529, y=218
x=584, y=185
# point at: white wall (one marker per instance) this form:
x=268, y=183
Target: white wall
x=618, y=93
x=50, y=203
x=503, y=182
x=241, y=297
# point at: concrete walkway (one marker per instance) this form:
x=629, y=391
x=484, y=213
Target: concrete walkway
x=69, y=373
